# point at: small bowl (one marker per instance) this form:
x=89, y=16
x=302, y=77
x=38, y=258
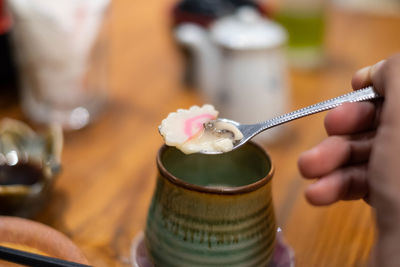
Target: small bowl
x=34, y=237
x=29, y=163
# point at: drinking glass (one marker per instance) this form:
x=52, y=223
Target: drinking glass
x=62, y=56
x=305, y=22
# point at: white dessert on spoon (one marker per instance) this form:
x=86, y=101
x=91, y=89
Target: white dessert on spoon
x=196, y=130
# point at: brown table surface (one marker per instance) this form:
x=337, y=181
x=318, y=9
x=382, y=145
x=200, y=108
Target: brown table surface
x=101, y=198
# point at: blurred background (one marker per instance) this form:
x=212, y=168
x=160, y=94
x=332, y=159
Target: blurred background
x=109, y=71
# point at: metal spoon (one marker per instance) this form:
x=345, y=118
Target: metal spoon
x=251, y=130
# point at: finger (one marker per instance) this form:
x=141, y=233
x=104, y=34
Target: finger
x=389, y=80
x=388, y=76
x=344, y=184
x=350, y=118
x=361, y=78
x=383, y=76
x=333, y=153
x=370, y=75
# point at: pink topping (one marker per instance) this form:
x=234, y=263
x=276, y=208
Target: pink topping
x=196, y=123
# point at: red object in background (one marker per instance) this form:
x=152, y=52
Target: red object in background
x=201, y=12
x=7, y=68
x=5, y=19
x=204, y=12
x=181, y=16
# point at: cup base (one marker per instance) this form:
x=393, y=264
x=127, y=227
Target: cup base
x=283, y=254
x=72, y=118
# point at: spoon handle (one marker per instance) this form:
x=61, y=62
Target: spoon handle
x=367, y=93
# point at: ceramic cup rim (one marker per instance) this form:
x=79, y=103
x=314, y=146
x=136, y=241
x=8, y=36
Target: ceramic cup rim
x=214, y=190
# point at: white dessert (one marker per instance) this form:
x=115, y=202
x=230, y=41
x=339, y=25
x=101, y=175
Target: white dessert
x=185, y=130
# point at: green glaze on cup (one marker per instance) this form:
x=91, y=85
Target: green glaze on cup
x=212, y=210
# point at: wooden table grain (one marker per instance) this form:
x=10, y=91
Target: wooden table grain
x=101, y=198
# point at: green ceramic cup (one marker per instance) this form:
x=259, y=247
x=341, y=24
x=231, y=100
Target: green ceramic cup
x=212, y=210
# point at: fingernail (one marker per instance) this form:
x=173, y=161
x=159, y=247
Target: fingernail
x=314, y=150
x=320, y=182
x=306, y=154
x=376, y=67
x=364, y=72
x=314, y=185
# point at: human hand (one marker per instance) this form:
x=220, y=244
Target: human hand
x=361, y=156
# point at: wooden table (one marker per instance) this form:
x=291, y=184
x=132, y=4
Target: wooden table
x=100, y=201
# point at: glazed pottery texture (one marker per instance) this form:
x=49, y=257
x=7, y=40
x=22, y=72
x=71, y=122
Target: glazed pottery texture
x=212, y=210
